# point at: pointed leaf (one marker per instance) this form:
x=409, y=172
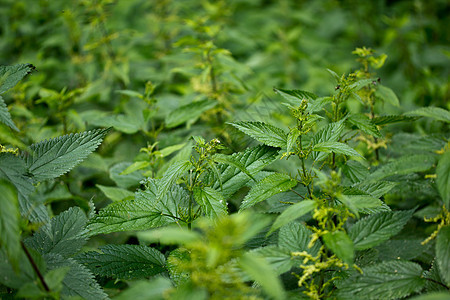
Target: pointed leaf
x=13, y=169
x=376, y=189
x=443, y=178
x=331, y=133
x=355, y=171
x=232, y=161
x=269, y=186
x=11, y=75
x=295, y=236
x=57, y=156
x=293, y=212
x=336, y=147
x=115, y=193
x=404, y=165
x=63, y=235
x=341, y=245
x=124, y=261
x=383, y=120
x=212, y=202
x=5, y=117
x=387, y=280
x=377, y=228
x=365, y=124
x=295, y=97
x=443, y=253
x=144, y=212
x=437, y=113
x=173, y=173
x=265, y=133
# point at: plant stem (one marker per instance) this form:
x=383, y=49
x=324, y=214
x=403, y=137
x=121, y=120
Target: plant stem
x=303, y=166
x=35, y=267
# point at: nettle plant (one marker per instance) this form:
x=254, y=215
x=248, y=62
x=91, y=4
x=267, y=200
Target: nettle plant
x=326, y=227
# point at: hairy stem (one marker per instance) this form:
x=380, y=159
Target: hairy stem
x=35, y=267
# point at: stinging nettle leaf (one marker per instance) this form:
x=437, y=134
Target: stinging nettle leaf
x=443, y=253
x=365, y=124
x=341, y=245
x=9, y=221
x=11, y=75
x=232, y=161
x=386, y=94
x=443, y=178
x=52, y=158
x=295, y=97
x=265, y=133
x=331, y=133
x=377, y=228
x=189, y=112
x=5, y=117
x=293, y=212
x=336, y=147
x=383, y=120
x=124, y=261
x=437, y=113
x=212, y=202
x=173, y=173
x=295, y=236
x=115, y=193
x=387, y=280
x=269, y=186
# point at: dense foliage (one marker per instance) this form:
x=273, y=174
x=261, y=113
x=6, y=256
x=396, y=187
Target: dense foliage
x=224, y=149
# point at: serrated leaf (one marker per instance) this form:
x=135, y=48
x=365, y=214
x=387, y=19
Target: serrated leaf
x=52, y=158
x=318, y=104
x=170, y=177
x=293, y=212
x=436, y=113
x=265, y=133
x=5, y=117
x=387, y=280
x=260, y=271
x=253, y=159
x=295, y=97
x=13, y=278
x=365, y=124
x=232, y=161
x=376, y=189
x=341, y=245
x=292, y=137
x=279, y=259
x=11, y=75
x=154, y=290
x=138, y=165
x=211, y=201
x=361, y=83
x=144, y=212
x=362, y=203
x=296, y=237
x=124, y=261
x=63, y=235
x=331, y=133
x=386, y=94
x=406, y=249
x=115, y=193
x=355, y=171
x=271, y=185
x=404, y=165
x=383, y=120
x=336, y=147
x=443, y=178
x=377, y=228
x=189, y=112
x=79, y=281
x=443, y=253
x=9, y=221
x=13, y=169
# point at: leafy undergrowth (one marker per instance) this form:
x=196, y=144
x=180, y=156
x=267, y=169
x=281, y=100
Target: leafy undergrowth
x=192, y=191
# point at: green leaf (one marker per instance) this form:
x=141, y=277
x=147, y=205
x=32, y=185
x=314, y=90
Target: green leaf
x=190, y=112
x=173, y=173
x=52, y=158
x=79, y=281
x=124, y=261
x=362, y=203
x=16, y=278
x=260, y=271
x=212, y=202
x=9, y=221
x=437, y=113
x=404, y=165
x=377, y=228
x=386, y=94
x=169, y=236
x=295, y=97
x=361, y=83
x=138, y=165
x=13, y=169
x=331, y=133
x=355, y=171
x=433, y=296
x=63, y=235
x=443, y=178
x=124, y=181
x=154, y=290
x=336, y=147
x=232, y=161
x=271, y=185
x=253, y=159
x=11, y=75
x=387, y=280
x=365, y=124
x=406, y=249
x=5, y=117
x=376, y=189
x=115, y=193
x=144, y=212
x=341, y=245
x=318, y=104
x=265, y=133
x=295, y=236
x=443, y=253
x=280, y=259
x=293, y=212
x=383, y=120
